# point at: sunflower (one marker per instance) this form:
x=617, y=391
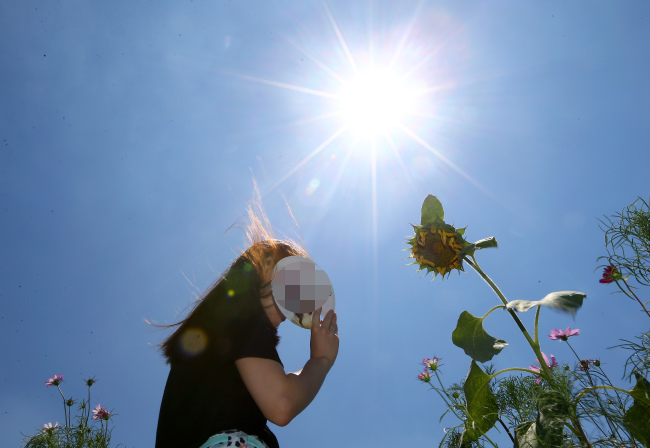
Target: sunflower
x=439, y=249
x=437, y=246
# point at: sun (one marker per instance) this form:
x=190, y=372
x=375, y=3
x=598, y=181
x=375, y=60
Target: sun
x=375, y=102
x=377, y=95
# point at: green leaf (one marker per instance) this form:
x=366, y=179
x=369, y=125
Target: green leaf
x=432, y=210
x=469, y=249
x=566, y=301
x=486, y=242
x=482, y=410
x=526, y=435
x=637, y=418
x=474, y=340
x=547, y=431
x=554, y=410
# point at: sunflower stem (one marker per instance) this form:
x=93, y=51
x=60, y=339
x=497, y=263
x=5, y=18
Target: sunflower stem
x=545, y=370
x=539, y=308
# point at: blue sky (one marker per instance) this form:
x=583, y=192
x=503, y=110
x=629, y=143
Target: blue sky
x=130, y=133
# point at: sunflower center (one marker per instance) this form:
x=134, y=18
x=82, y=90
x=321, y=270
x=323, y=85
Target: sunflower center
x=438, y=249
x=440, y=252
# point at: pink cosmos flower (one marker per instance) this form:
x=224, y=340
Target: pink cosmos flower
x=431, y=364
x=100, y=413
x=610, y=273
x=55, y=381
x=563, y=335
x=535, y=368
x=425, y=376
x=49, y=428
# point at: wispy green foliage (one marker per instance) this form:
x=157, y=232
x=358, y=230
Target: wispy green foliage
x=516, y=399
x=627, y=239
x=639, y=360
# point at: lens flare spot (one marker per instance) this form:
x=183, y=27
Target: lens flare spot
x=313, y=185
x=231, y=293
x=194, y=341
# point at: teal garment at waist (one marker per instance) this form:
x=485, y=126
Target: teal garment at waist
x=233, y=438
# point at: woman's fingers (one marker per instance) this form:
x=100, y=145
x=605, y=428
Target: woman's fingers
x=324, y=339
x=327, y=321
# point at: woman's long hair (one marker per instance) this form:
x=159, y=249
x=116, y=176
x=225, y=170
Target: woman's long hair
x=238, y=291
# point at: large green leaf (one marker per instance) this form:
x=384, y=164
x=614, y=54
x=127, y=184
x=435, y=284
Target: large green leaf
x=567, y=301
x=431, y=210
x=474, y=340
x=482, y=410
x=547, y=431
x=637, y=418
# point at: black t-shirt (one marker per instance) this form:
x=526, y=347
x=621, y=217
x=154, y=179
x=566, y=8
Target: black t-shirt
x=204, y=394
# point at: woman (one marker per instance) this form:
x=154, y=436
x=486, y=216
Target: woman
x=226, y=379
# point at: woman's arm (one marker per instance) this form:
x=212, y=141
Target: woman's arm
x=282, y=396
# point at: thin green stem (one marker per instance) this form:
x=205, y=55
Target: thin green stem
x=443, y=396
x=533, y=344
x=572, y=428
x=87, y=410
x=589, y=389
x=539, y=308
x=492, y=309
x=507, y=430
x=512, y=369
x=490, y=440
x=65, y=414
x=578, y=431
x=629, y=291
x=602, y=407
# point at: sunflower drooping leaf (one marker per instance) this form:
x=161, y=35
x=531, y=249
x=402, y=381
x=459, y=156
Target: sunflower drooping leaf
x=437, y=246
x=565, y=301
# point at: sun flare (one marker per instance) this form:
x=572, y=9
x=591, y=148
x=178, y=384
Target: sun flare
x=383, y=97
x=375, y=102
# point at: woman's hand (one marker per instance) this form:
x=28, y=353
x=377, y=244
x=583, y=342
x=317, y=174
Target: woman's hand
x=324, y=337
